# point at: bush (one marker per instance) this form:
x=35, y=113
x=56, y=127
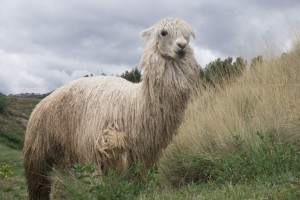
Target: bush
x=3, y=102
x=86, y=183
x=270, y=157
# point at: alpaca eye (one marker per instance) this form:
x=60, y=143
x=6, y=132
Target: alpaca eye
x=164, y=33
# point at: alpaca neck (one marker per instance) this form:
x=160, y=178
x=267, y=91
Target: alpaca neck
x=165, y=91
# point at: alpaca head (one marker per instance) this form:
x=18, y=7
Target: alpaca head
x=170, y=37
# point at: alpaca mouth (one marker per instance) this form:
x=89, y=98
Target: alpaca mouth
x=180, y=53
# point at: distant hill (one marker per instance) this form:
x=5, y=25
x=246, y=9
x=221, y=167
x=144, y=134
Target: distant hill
x=14, y=119
x=30, y=95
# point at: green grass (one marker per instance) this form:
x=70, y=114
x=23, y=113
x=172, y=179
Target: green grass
x=84, y=182
x=12, y=129
x=13, y=186
x=13, y=121
x=271, y=170
x=211, y=191
x=268, y=157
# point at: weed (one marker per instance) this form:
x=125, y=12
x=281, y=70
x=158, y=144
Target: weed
x=268, y=158
x=6, y=171
x=91, y=185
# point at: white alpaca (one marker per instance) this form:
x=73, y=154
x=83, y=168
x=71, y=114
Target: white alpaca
x=110, y=121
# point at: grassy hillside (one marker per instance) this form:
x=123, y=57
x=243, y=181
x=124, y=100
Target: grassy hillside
x=12, y=128
x=259, y=112
x=14, y=119
x=12, y=178
x=245, y=134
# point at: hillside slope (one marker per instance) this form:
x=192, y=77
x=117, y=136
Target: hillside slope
x=14, y=119
x=12, y=128
x=254, y=122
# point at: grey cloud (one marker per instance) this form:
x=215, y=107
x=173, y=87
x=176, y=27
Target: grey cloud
x=274, y=4
x=234, y=26
x=57, y=41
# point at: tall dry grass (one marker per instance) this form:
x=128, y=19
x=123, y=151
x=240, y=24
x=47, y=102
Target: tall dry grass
x=266, y=99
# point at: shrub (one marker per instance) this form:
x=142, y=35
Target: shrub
x=86, y=183
x=3, y=102
x=268, y=158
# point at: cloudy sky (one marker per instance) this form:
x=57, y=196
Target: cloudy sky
x=44, y=44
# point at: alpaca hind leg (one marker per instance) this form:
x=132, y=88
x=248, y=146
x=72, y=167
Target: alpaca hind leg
x=57, y=190
x=38, y=182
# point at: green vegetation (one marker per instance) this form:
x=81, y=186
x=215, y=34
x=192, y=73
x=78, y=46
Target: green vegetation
x=133, y=76
x=219, y=72
x=14, y=119
x=215, y=73
x=256, y=61
x=211, y=191
x=12, y=184
x=85, y=183
x=12, y=128
x=5, y=171
x=3, y=103
x=247, y=162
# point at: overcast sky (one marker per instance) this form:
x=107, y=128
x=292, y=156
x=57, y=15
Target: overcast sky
x=44, y=44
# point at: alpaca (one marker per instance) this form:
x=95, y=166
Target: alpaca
x=110, y=121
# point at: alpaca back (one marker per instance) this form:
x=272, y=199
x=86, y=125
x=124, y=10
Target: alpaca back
x=67, y=123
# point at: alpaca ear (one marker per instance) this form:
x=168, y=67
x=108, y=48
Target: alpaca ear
x=146, y=34
x=193, y=34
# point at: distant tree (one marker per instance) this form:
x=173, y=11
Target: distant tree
x=256, y=61
x=91, y=75
x=219, y=71
x=133, y=76
x=239, y=66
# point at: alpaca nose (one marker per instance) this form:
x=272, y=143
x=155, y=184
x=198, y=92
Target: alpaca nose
x=182, y=46
x=181, y=43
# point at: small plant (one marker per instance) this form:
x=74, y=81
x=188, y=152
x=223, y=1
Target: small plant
x=268, y=157
x=5, y=171
x=91, y=185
